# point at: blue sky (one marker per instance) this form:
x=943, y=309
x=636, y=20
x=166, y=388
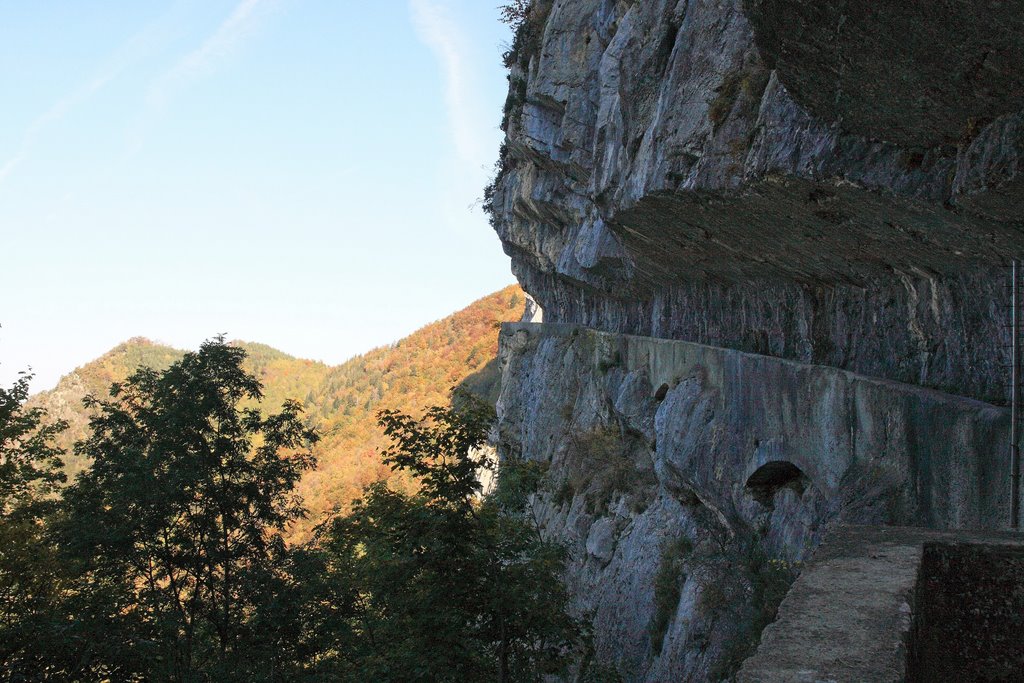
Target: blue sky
x=296, y=172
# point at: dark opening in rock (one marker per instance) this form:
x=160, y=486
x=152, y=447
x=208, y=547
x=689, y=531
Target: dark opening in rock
x=661, y=393
x=769, y=478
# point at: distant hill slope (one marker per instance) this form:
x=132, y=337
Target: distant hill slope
x=415, y=372
x=341, y=401
x=64, y=401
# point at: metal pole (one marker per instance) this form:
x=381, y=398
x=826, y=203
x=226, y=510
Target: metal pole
x=1014, y=401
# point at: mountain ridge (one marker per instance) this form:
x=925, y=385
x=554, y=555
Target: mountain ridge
x=341, y=401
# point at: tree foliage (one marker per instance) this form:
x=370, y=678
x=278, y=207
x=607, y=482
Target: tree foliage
x=30, y=464
x=166, y=558
x=514, y=12
x=340, y=401
x=176, y=527
x=30, y=580
x=451, y=587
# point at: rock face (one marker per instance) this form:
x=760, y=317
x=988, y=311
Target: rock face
x=826, y=196
x=779, y=176
x=725, y=469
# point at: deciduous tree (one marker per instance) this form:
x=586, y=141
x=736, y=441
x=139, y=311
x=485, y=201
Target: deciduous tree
x=30, y=578
x=176, y=527
x=451, y=587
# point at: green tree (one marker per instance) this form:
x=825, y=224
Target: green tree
x=30, y=465
x=30, y=579
x=175, y=530
x=449, y=586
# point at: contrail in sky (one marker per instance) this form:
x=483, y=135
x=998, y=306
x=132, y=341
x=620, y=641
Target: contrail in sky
x=238, y=25
x=442, y=36
x=138, y=46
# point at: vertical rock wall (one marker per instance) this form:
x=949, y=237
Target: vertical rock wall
x=671, y=168
x=665, y=456
x=836, y=187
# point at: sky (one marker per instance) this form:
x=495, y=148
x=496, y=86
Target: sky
x=302, y=173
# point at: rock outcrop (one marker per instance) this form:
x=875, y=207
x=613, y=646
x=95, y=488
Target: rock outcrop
x=778, y=176
x=724, y=469
x=763, y=234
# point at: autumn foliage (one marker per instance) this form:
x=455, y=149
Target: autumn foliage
x=340, y=402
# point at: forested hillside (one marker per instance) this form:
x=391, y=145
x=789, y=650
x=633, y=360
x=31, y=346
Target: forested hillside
x=341, y=402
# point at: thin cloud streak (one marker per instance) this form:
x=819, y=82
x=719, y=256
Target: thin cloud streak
x=143, y=43
x=59, y=110
x=442, y=36
x=225, y=39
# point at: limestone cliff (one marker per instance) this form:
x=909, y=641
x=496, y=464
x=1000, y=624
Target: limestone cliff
x=763, y=233
x=837, y=182
x=689, y=482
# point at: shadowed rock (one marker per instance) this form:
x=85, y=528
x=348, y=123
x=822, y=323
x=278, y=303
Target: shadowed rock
x=919, y=73
x=668, y=163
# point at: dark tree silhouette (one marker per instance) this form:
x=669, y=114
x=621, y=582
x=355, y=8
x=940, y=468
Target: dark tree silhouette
x=176, y=527
x=453, y=586
x=30, y=576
